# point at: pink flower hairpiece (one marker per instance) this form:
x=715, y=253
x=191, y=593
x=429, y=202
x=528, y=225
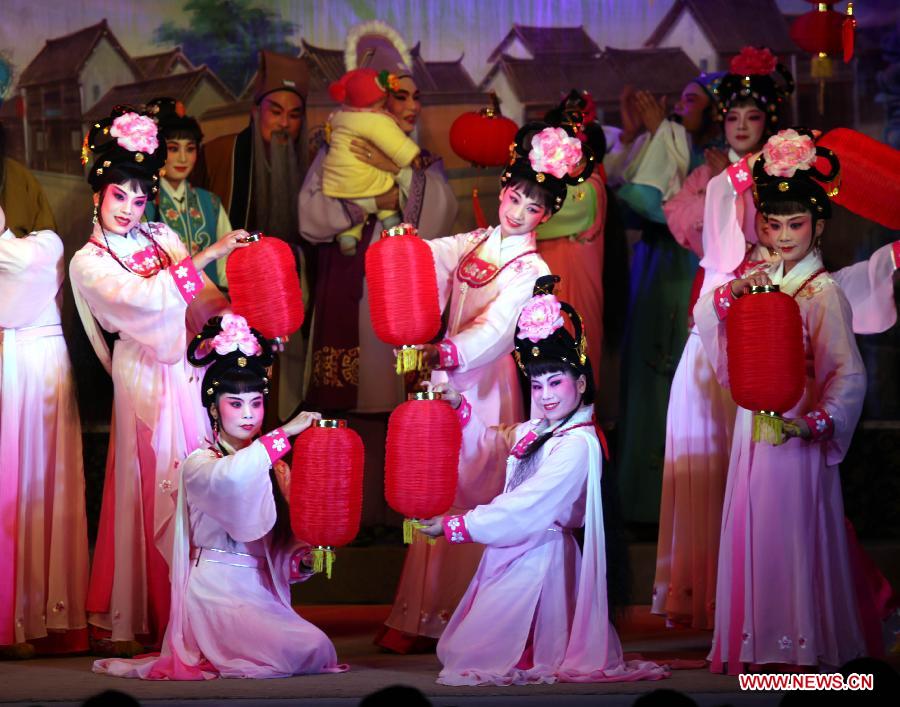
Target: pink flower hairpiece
x=753, y=61
x=136, y=133
x=236, y=335
x=540, y=317
x=555, y=152
x=788, y=151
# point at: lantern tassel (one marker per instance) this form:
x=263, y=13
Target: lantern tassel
x=768, y=427
x=323, y=559
x=410, y=526
x=409, y=359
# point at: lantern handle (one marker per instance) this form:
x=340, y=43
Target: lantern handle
x=761, y=289
x=331, y=424
x=252, y=237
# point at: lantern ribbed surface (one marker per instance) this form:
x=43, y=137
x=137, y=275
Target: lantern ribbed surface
x=819, y=31
x=264, y=287
x=326, y=486
x=403, y=292
x=483, y=139
x=422, y=458
x=766, y=360
x=869, y=184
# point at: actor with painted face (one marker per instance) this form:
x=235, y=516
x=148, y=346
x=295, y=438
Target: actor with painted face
x=43, y=535
x=195, y=214
x=137, y=281
x=234, y=556
x=787, y=530
x=484, y=277
x=536, y=610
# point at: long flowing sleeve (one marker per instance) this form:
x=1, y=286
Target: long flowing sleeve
x=684, y=211
x=839, y=372
x=234, y=490
x=446, y=252
x=491, y=333
x=149, y=310
x=30, y=276
x=712, y=330
x=869, y=286
x=322, y=217
x=538, y=502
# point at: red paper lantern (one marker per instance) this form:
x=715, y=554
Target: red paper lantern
x=264, y=286
x=766, y=360
x=421, y=459
x=483, y=137
x=819, y=31
x=326, y=488
x=869, y=186
x=403, y=293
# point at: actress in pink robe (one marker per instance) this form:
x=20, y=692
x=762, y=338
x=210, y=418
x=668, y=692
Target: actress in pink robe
x=138, y=281
x=43, y=528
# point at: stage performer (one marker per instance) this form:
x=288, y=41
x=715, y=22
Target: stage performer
x=257, y=173
x=43, y=534
x=649, y=169
x=348, y=361
x=573, y=243
x=795, y=535
x=486, y=276
x=234, y=555
x=536, y=610
x=137, y=282
x=363, y=93
x=195, y=214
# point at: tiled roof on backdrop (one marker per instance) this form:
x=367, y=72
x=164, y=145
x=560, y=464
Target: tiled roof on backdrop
x=547, y=41
x=158, y=65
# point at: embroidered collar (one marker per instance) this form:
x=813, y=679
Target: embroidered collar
x=476, y=271
x=800, y=275
x=582, y=418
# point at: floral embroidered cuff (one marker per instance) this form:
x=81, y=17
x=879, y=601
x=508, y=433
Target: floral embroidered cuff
x=187, y=279
x=276, y=444
x=449, y=356
x=821, y=426
x=895, y=251
x=455, y=530
x=722, y=300
x=739, y=174
x=464, y=411
x=301, y=565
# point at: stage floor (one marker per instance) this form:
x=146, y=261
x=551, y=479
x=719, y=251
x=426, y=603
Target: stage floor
x=68, y=681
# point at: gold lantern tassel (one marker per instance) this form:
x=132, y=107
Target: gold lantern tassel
x=410, y=526
x=323, y=559
x=768, y=427
x=409, y=359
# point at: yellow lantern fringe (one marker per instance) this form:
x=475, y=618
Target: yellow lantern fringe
x=410, y=526
x=409, y=359
x=323, y=558
x=768, y=427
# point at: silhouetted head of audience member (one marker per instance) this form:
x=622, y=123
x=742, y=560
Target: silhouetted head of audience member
x=111, y=698
x=396, y=696
x=664, y=698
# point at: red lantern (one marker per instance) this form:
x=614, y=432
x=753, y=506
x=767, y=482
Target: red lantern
x=869, y=186
x=264, y=286
x=326, y=488
x=819, y=31
x=421, y=459
x=766, y=361
x=483, y=137
x=403, y=293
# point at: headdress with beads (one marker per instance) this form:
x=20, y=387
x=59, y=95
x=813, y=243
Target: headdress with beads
x=754, y=75
x=227, y=343
x=170, y=115
x=541, y=334
x=786, y=170
x=126, y=139
x=550, y=156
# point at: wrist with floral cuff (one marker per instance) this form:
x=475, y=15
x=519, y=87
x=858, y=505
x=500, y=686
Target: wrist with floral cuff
x=276, y=443
x=820, y=423
x=739, y=174
x=301, y=565
x=895, y=251
x=455, y=530
x=464, y=411
x=722, y=300
x=187, y=279
x=448, y=356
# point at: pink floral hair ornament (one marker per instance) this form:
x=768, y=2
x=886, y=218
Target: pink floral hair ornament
x=136, y=133
x=787, y=151
x=235, y=335
x=754, y=61
x=540, y=317
x=555, y=152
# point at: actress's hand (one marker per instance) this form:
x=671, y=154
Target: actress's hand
x=449, y=394
x=741, y=286
x=301, y=422
x=390, y=200
x=222, y=248
x=652, y=110
x=631, y=121
x=366, y=151
x=433, y=527
x=283, y=477
x=796, y=427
